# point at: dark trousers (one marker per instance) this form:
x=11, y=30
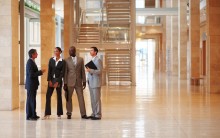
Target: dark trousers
x=31, y=104
x=59, y=100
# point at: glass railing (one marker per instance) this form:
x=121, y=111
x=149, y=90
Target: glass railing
x=93, y=16
x=103, y=33
x=148, y=20
x=117, y=35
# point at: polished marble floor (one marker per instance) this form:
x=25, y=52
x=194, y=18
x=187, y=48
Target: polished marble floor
x=159, y=106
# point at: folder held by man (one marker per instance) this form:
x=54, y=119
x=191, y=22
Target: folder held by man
x=91, y=65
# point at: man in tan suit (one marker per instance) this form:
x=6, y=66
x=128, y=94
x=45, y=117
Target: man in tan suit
x=74, y=78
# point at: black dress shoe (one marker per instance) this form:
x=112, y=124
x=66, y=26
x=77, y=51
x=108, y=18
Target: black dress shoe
x=90, y=117
x=96, y=118
x=32, y=119
x=85, y=117
x=37, y=117
x=68, y=116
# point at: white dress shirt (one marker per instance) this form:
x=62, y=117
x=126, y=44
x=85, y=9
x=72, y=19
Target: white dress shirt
x=56, y=62
x=93, y=58
x=74, y=60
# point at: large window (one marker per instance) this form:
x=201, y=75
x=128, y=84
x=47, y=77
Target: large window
x=34, y=33
x=140, y=3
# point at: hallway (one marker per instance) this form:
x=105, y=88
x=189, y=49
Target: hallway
x=165, y=108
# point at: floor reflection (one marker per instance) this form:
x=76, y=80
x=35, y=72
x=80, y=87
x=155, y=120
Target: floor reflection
x=160, y=107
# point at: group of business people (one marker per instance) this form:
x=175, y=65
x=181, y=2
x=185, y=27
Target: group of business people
x=69, y=74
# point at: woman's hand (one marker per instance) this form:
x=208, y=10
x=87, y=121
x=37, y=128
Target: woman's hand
x=50, y=84
x=55, y=85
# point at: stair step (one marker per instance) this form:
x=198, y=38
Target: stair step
x=119, y=23
x=119, y=70
x=119, y=75
x=88, y=36
x=118, y=5
x=119, y=19
x=119, y=79
x=113, y=74
x=115, y=56
x=89, y=25
x=118, y=10
x=89, y=29
x=122, y=77
x=119, y=54
x=118, y=66
x=89, y=32
x=117, y=1
x=118, y=16
x=82, y=40
x=113, y=60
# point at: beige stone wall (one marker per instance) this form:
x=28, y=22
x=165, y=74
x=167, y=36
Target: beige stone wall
x=9, y=90
x=182, y=39
x=213, y=45
x=174, y=41
x=194, y=37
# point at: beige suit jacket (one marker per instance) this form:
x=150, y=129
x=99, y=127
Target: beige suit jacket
x=74, y=74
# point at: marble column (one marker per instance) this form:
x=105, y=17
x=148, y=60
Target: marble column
x=213, y=45
x=157, y=43
x=174, y=41
x=194, y=37
x=157, y=3
x=22, y=43
x=47, y=20
x=163, y=48
x=133, y=42
x=9, y=82
x=182, y=39
x=168, y=39
x=68, y=25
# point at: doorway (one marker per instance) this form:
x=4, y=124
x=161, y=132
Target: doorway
x=203, y=58
x=145, y=61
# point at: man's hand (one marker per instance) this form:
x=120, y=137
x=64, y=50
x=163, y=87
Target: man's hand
x=43, y=70
x=55, y=85
x=87, y=69
x=84, y=85
x=50, y=84
x=65, y=87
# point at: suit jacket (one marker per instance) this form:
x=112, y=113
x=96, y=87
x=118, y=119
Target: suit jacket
x=95, y=76
x=32, y=74
x=58, y=70
x=74, y=74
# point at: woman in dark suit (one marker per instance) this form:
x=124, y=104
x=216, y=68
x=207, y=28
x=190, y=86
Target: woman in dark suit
x=56, y=70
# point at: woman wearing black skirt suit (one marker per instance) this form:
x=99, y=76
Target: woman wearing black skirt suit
x=56, y=70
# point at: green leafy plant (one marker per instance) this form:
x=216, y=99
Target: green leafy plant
x=32, y=6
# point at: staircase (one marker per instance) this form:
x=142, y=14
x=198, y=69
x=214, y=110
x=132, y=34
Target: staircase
x=118, y=65
x=118, y=13
x=89, y=33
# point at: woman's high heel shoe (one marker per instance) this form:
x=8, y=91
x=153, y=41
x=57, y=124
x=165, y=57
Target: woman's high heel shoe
x=46, y=117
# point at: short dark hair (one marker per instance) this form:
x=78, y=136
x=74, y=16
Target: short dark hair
x=31, y=52
x=59, y=49
x=95, y=49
